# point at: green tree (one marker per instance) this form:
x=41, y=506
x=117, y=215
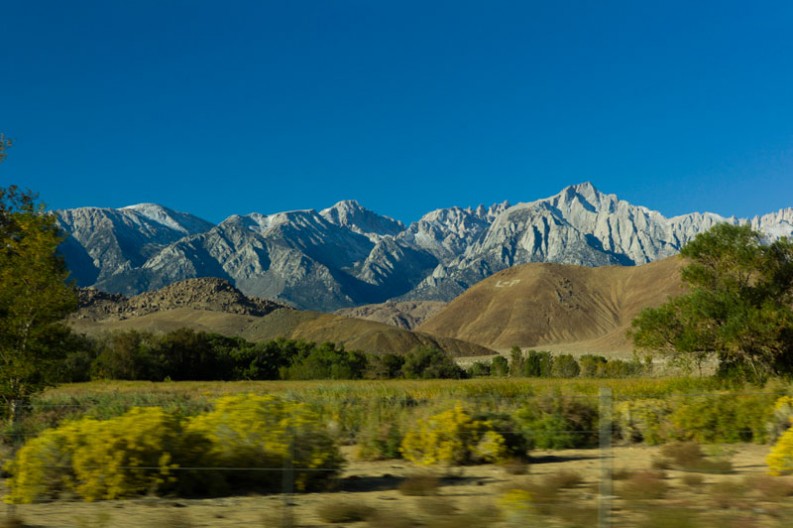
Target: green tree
x=34, y=296
x=738, y=306
x=565, y=366
x=517, y=362
x=384, y=366
x=4, y=144
x=426, y=362
x=499, y=366
x=327, y=361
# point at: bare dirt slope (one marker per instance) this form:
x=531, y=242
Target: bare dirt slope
x=560, y=307
x=402, y=314
x=213, y=305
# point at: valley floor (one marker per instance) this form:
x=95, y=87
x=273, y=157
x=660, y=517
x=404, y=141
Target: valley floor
x=472, y=497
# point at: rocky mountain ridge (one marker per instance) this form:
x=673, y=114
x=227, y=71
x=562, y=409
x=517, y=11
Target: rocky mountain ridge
x=210, y=294
x=215, y=306
x=346, y=255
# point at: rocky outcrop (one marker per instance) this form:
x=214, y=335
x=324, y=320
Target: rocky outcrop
x=209, y=294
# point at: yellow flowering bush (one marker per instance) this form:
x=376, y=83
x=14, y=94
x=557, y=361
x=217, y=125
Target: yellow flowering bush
x=517, y=506
x=780, y=459
x=262, y=435
x=99, y=459
x=244, y=442
x=782, y=417
x=454, y=437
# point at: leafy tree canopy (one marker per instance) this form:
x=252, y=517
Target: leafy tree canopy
x=739, y=306
x=34, y=295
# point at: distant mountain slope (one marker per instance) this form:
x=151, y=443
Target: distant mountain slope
x=346, y=255
x=536, y=305
x=213, y=305
x=104, y=243
x=405, y=314
x=579, y=226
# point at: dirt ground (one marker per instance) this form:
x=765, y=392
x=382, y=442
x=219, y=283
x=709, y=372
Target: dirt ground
x=468, y=496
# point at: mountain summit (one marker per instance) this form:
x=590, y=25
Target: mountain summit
x=347, y=255
x=351, y=215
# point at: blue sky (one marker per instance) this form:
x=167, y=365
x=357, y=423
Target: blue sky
x=218, y=108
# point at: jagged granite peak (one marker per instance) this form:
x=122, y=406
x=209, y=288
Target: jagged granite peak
x=351, y=215
x=346, y=255
x=183, y=222
x=580, y=225
x=775, y=225
x=447, y=233
x=102, y=242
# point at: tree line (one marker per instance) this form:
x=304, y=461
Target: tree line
x=185, y=354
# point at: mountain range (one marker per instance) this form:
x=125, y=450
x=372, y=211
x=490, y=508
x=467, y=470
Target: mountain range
x=347, y=256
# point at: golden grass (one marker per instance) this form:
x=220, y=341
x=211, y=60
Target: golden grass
x=444, y=389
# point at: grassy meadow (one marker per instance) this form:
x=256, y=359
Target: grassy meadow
x=484, y=452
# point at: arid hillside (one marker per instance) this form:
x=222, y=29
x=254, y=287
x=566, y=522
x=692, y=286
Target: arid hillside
x=402, y=314
x=213, y=305
x=558, y=307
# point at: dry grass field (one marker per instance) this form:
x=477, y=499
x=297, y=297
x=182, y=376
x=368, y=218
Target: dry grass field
x=474, y=496
x=649, y=488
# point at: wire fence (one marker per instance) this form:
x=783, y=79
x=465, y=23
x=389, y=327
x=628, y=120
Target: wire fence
x=613, y=483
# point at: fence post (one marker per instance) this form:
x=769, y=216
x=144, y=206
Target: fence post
x=288, y=479
x=16, y=440
x=606, y=461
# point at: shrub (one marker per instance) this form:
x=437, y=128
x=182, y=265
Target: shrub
x=420, y=485
x=102, y=459
x=454, y=437
x=782, y=417
x=780, y=459
x=559, y=422
x=692, y=480
x=380, y=439
x=721, y=418
x=643, y=420
x=689, y=457
x=770, y=488
x=265, y=432
x=515, y=466
x=617, y=368
x=725, y=494
x=644, y=485
x=138, y=452
x=563, y=479
x=12, y=520
x=517, y=505
x=343, y=512
x=665, y=517
x=391, y=519
x=684, y=455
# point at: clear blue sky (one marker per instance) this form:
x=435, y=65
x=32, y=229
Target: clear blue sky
x=230, y=107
